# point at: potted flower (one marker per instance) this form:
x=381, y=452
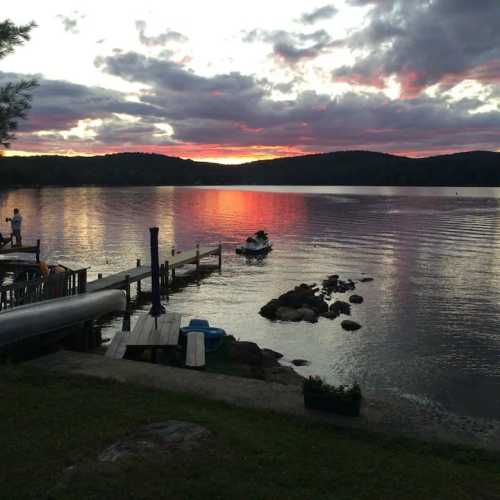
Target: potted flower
x=341, y=399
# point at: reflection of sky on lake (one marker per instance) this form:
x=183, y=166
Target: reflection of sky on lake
x=430, y=318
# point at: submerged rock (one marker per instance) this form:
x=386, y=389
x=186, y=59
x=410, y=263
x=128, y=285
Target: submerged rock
x=300, y=362
x=356, y=299
x=350, y=326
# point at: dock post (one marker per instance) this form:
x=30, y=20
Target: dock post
x=162, y=276
x=220, y=255
x=197, y=257
x=38, y=251
x=99, y=276
x=127, y=289
x=166, y=277
x=173, y=251
x=138, y=264
x=82, y=281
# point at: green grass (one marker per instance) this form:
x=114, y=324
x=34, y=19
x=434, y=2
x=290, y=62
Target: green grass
x=52, y=421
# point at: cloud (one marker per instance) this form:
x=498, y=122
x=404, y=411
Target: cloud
x=180, y=111
x=158, y=40
x=235, y=110
x=425, y=43
x=71, y=23
x=325, y=12
x=291, y=47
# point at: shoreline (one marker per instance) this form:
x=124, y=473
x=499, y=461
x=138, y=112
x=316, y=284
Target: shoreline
x=389, y=417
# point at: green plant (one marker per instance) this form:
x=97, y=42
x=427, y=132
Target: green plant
x=316, y=385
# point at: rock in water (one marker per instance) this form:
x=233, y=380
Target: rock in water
x=330, y=315
x=271, y=353
x=341, y=307
x=245, y=352
x=288, y=314
x=300, y=362
x=350, y=326
x=308, y=314
x=269, y=310
x=356, y=299
x=366, y=280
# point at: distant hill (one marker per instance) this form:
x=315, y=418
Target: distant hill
x=475, y=168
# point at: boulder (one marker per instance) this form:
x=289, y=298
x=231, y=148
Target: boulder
x=356, y=299
x=271, y=353
x=308, y=314
x=330, y=315
x=300, y=362
x=341, y=307
x=288, y=314
x=269, y=310
x=163, y=436
x=245, y=352
x=350, y=326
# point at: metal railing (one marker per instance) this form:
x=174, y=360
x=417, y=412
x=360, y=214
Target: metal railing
x=56, y=285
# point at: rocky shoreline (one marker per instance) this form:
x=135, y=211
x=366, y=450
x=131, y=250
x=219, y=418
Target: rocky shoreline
x=310, y=303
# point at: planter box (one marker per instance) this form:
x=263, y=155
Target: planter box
x=330, y=403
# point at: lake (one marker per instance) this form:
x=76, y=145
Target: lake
x=430, y=318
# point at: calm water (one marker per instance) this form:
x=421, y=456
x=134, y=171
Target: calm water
x=430, y=319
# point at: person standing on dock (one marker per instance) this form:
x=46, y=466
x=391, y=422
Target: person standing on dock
x=15, y=224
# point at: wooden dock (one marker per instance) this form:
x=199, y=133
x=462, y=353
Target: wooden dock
x=124, y=279
x=147, y=335
x=11, y=249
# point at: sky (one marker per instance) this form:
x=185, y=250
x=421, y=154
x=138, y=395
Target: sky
x=234, y=81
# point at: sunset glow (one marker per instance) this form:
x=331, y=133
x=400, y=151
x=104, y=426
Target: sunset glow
x=231, y=85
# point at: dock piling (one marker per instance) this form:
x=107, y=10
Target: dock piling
x=220, y=255
x=138, y=264
x=197, y=257
x=127, y=289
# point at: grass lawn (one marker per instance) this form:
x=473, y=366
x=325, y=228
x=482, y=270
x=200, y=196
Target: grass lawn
x=52, y=421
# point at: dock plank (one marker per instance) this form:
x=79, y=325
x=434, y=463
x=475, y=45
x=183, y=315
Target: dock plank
x=118, y=346
x=145, y=334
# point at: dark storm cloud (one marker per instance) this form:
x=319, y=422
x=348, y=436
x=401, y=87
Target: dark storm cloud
x=291, y=47
x=236, y=110
x=423, y=43
x=158, y=40
x=59, y=105
x=325, y=12
x=233, y=109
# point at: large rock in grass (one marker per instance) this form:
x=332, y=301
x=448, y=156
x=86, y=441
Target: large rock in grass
x=158, y=437
x=248, y=353
x=350, y=326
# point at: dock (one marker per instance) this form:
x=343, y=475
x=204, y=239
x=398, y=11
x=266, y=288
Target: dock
x=124, y=279
x=147, y=335
x=12, y=249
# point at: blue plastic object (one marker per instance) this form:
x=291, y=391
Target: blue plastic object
x=213, y=336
